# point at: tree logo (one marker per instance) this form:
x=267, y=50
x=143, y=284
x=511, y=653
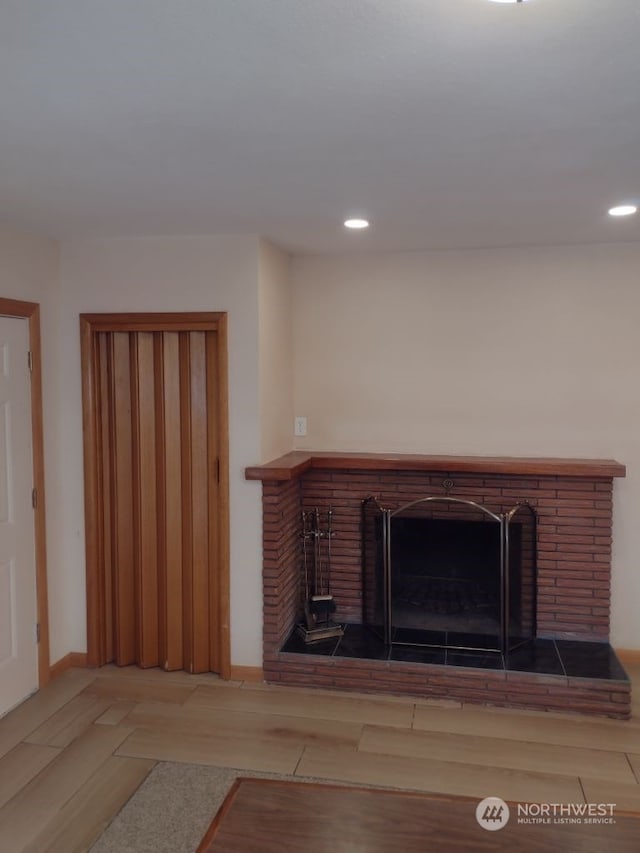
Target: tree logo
x=492, y=814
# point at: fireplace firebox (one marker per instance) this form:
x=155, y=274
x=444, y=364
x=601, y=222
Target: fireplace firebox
x=447, y=572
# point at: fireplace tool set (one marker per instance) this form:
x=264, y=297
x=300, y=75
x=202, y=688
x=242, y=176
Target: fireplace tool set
x=318, y=604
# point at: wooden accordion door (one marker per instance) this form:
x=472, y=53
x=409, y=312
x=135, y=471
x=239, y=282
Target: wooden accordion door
x=157, y=481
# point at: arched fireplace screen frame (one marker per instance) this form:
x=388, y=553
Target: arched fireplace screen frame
x=380, y=552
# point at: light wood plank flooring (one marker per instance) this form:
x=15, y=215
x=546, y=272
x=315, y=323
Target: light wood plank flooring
x=73, y=754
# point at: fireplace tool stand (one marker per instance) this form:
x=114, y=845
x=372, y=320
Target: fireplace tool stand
x=318, y=603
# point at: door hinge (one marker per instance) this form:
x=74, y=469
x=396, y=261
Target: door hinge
x=34, y=498
x=217, y=469
x=37, y=632
x=30, y=360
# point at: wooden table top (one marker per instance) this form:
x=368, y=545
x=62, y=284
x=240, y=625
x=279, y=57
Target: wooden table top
x=273, y=816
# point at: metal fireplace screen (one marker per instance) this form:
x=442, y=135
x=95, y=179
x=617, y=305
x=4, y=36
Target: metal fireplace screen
x=443, y=571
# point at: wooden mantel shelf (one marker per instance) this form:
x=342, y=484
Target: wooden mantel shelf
x=294, y=464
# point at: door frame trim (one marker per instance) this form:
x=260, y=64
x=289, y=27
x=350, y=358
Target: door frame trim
x=31, y=311
x=90, y=324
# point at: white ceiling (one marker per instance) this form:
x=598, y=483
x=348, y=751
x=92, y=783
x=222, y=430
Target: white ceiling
x=449, y=123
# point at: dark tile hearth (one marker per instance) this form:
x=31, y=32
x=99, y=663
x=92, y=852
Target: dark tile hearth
x=569, y=658
x=418, y=654
x=361, y=644
x=541, y=657
x=590, y=660
x=477, y=660
x=296, y=644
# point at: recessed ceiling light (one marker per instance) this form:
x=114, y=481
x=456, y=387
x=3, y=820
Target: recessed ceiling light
x=356, y=223
x=507, y=1
x=623, y=210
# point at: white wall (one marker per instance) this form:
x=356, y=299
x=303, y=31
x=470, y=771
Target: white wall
x=28, y=267
x=498, y=352
x=275, y=352
x=159, y=274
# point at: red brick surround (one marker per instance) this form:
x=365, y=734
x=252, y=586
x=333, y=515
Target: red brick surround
x=574, y=507
x=574, y=536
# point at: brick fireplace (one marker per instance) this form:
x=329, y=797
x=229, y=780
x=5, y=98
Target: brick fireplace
x=573, y=503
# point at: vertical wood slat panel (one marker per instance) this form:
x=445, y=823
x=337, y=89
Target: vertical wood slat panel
x=144, y=489
x=123, y=543
x=187, y=502
x=161, y=491
x=171, y=605
x=213, y=452
x=154, y=490
x=104, y=454
x=199, y=502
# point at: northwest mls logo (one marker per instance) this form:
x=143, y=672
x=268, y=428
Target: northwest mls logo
x=492, y=813
x=563, y=813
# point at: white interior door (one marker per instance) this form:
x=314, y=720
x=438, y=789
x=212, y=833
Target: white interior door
x=18, y=603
